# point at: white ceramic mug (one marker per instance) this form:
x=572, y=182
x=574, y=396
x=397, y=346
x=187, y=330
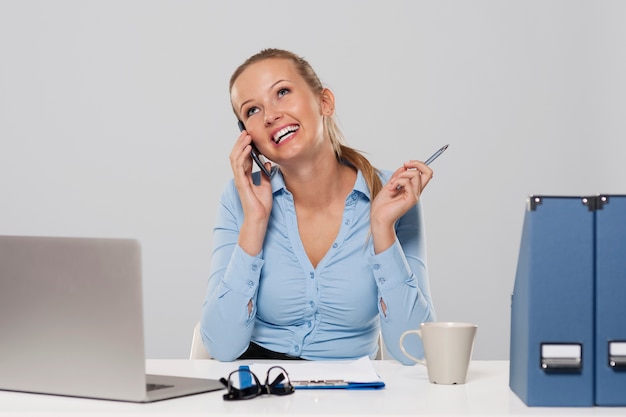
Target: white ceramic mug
x=447, y=349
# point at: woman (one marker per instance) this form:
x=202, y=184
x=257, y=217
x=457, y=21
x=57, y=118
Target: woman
x=314, y=261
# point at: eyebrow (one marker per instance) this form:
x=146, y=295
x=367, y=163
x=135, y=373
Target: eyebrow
x=269, y=89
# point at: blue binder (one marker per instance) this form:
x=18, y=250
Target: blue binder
x=552, y=306
x=611, y=301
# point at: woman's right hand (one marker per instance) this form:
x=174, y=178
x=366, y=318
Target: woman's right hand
x=256, y=200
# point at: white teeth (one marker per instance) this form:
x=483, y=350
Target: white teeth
x=283, y=132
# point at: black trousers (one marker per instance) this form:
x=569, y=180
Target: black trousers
x=255, y=351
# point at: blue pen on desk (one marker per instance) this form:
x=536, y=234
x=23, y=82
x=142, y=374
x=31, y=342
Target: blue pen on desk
x=245, y=378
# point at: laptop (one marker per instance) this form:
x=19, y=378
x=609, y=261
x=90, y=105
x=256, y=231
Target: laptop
x=71, y=321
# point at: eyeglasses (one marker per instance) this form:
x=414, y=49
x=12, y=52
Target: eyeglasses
x=243, y=384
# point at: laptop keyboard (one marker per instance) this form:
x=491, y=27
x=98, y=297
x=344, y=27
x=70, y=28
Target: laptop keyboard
x=152, y=387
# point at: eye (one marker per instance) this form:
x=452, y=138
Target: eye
x=283, y=91
x=251, y=111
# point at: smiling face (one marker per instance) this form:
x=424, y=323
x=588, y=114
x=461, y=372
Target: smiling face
x=280, y=110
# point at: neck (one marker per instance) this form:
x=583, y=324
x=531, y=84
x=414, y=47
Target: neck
x=319, y=182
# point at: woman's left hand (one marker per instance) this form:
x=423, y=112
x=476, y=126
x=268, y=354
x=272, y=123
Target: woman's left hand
x=396, y=197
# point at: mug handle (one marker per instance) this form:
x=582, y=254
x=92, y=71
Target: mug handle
x=417, y=332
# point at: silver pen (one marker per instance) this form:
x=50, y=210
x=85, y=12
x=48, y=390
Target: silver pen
x=431, y=159
x=436, y=154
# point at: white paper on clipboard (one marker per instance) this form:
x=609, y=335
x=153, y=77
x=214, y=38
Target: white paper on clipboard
x=352, y=374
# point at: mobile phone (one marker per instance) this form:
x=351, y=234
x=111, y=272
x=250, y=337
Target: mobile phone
x=254, y=153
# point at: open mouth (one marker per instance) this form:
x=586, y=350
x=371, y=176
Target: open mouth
x=285, y=133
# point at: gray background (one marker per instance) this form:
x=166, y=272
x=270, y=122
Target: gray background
x=115, y=121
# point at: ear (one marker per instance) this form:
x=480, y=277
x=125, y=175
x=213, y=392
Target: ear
x=327, y=102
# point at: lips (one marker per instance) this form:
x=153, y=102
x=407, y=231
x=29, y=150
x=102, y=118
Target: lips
x=284, y=133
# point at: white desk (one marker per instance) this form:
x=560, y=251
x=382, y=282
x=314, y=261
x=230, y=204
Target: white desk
x=408, y=392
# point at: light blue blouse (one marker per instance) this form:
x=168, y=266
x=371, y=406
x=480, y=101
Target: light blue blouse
x=324, y=313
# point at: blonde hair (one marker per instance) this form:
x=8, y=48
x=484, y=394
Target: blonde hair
x=343, y=153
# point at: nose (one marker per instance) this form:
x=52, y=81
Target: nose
x=271, y=115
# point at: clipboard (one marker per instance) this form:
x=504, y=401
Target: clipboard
x=354, y=374
x=337, y=384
